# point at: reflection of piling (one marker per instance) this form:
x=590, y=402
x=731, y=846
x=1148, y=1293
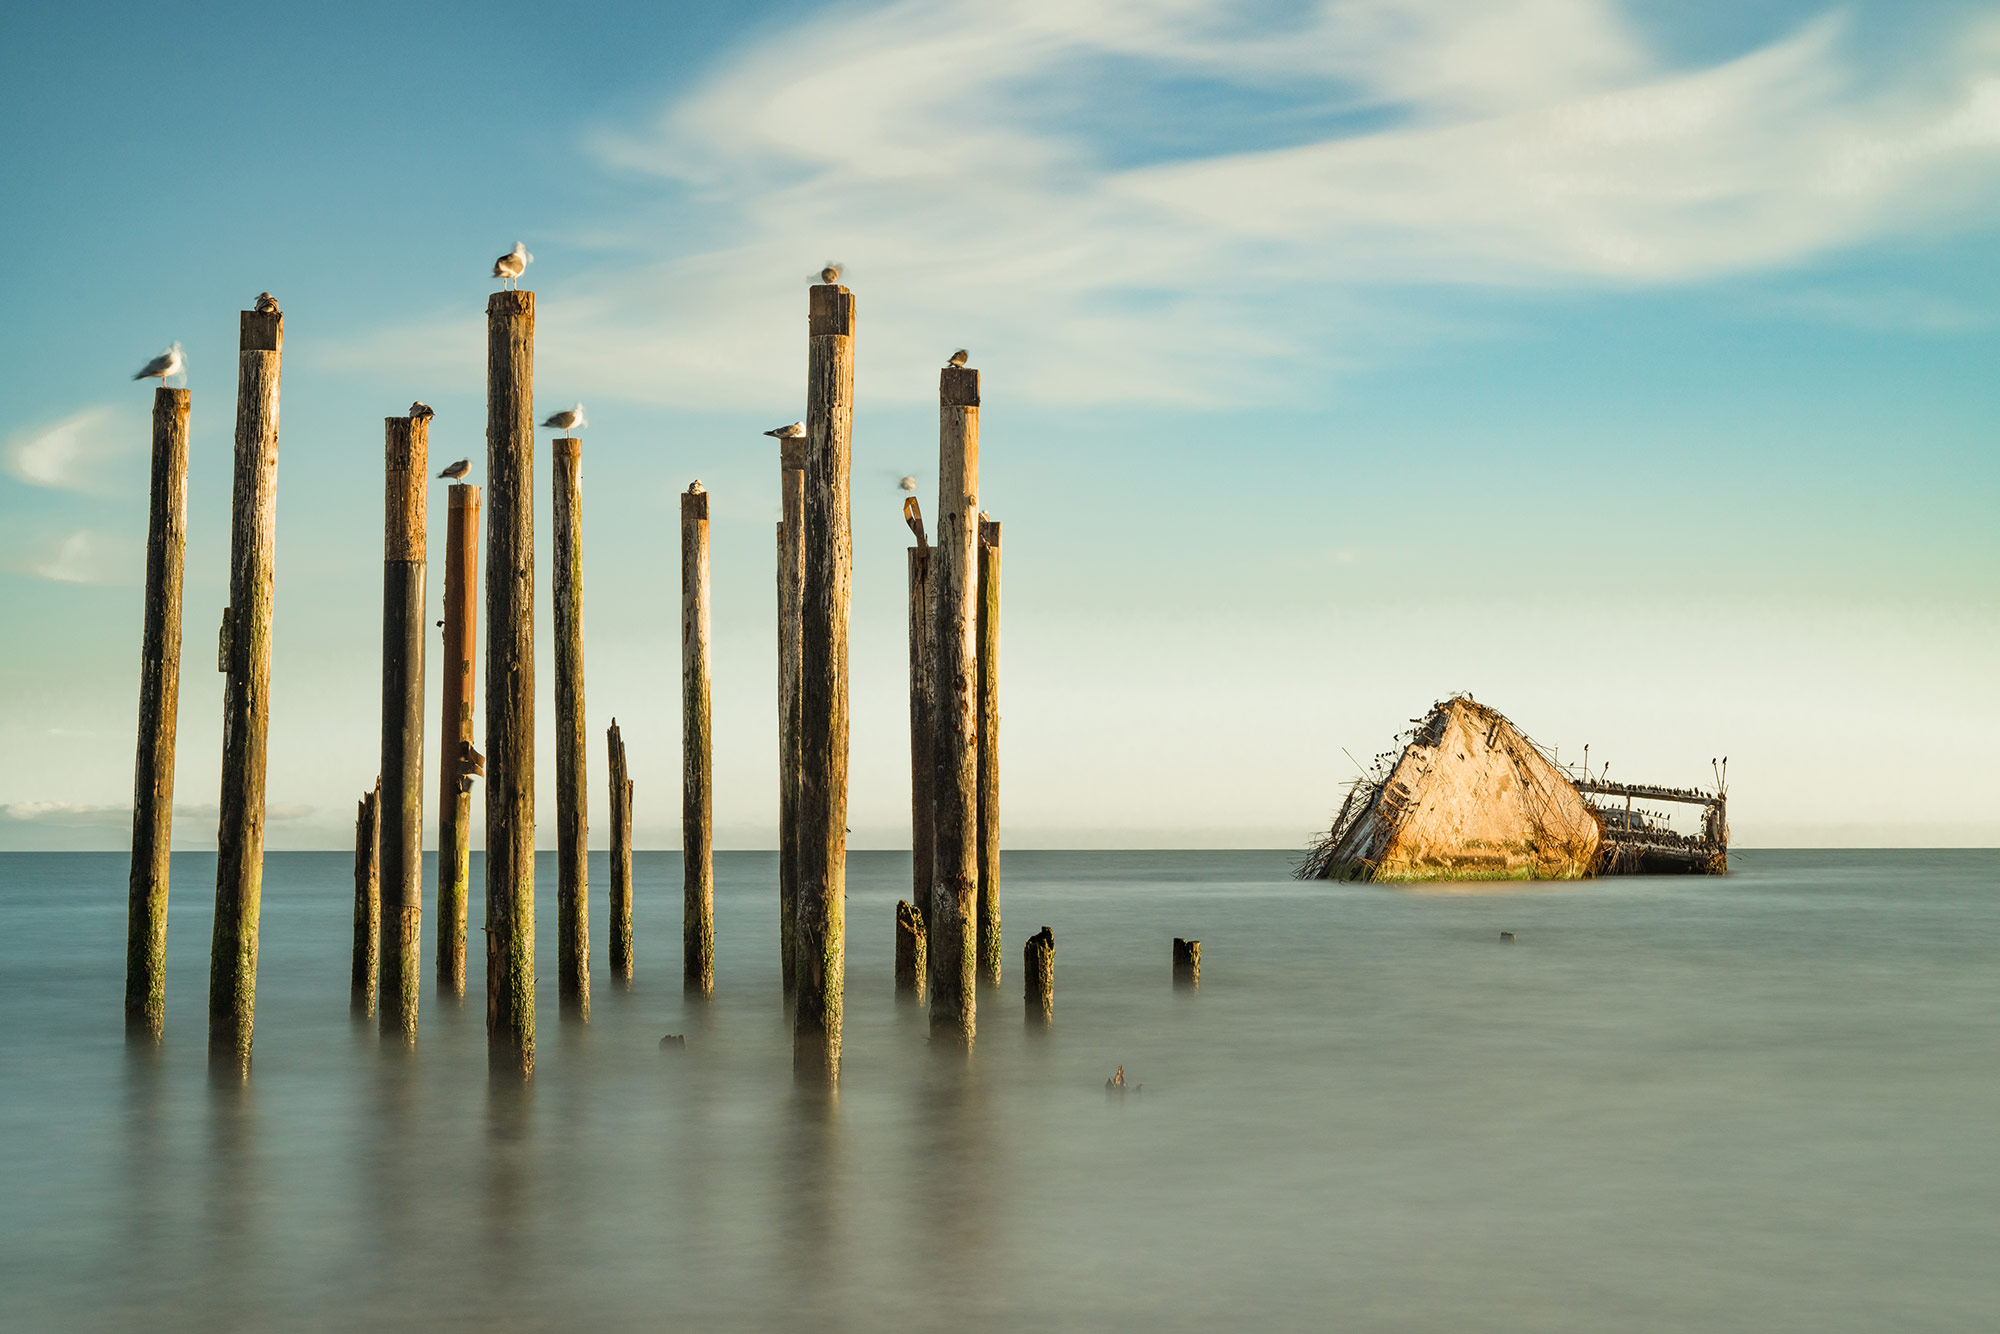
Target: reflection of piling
x=246, y=693
x=909, y=950
x=820, y=931
x=922, y=764
x=461, y=621
x=159, y=712
x=791, y=594
x=1038, y=971
x=952, y=919
x=510, y=681
x=697, y=754
x=621, y=856
x=572, y=801
x=988, y=635
x=407, y=474
x=367, y=901
x=1187, y=962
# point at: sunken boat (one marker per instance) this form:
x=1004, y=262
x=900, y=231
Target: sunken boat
x=1469, y=796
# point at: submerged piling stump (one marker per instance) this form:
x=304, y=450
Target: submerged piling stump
x=621, y=855
x=821, y=922
x=909, y=950
x=510, y=682
x=791, y=598
x=1038, y=974
x=461, y=624
x=572, y=799
x=159, y=715
x=988, y=635
x=1187, y=963
x=952, y=918
x=246, y=693
x=697, y=755
x=367, y=901
x=406, y=472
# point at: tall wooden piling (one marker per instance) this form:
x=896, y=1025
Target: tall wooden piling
x=1038, y=976
x=246, y=693
x=159, y=715
x=621, y=855
x=791, y=598
x=923, y=764
x=461, y=625
x=697, y=753
x=406, y=471
x=989, y=751
x=367, y=901
x=952, y=922
x=572, y=801
x=909, y=950
x=510, y=681
x=820, y=930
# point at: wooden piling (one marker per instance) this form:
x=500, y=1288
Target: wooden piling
x=988, y=634
x=1187, y=963
x=1038, y=973
x=367, y=901
x=246, y=695
x=791, y=597
x=406, y=458
x=461, y=624
x=820, y=930
x=510, y=681
x=572, y=799
x=909, y=950
x=159, y=715
x=621, y=855
x=951, y=925
x=923, y=764
x=697, y=754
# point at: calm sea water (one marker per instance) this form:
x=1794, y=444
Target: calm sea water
x=1765, y=1102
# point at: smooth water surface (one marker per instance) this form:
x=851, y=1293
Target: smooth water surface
x=1762, y=1102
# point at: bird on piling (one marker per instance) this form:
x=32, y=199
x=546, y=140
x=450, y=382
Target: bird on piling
x=513, y=264
x=913, y=515
x=792, y=432
x=168, y=363
x=830, y=274
x=571, y=420
x=421, y=411
x=907, y=484
x=958, y=358
x=456, y=470
x=266, y=304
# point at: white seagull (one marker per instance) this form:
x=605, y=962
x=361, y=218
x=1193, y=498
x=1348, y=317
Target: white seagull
x=792, y=432
x=513, y=264
x=168, y=363
x=908, y=484
x=572, y=420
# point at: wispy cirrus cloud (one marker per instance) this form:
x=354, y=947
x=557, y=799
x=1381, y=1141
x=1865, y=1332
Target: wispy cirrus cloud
x=73, y=454
x=81, y=557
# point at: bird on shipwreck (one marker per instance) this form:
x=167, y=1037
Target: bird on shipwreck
x=1471, y=797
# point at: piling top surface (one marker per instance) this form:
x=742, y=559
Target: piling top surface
x=832, y=310
x=568, y=446
x=958, y=387
x=512, y=302
x=166, y=395
x=463, y=496
x=694, y=502
x=263, y=331
x=791, y=453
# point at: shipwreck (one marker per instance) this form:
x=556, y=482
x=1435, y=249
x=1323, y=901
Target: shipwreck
x=1469, y=796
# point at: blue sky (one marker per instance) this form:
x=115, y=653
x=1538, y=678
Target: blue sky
x=1630, y=368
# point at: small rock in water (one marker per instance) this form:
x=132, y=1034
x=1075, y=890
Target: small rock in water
x=674, y=1040
x=1507, y=936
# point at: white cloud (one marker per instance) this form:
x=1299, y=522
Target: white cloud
x=80, y=558
x=72, y=454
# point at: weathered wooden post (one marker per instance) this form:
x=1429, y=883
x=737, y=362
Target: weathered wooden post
x=951, y=925
x=406, y=479
x=461, y=623
x=367, y=901
x=989, y=750
x=697, y=755
x=510, y=681
x=1187, y=963
x=621, y=855
x=1038, y=971
x=246, y=693
x=922, y=762
x=572, y=800
x=791, y=597
x=909, y=950
x=159, y=715
x=820, y=930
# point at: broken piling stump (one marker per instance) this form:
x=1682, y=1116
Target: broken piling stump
x=461, y=624
x=572, y=791
x=909, y=950
x=159, y=714
x=951, y=920
x=406, y=479
x=1038, y=973
x=367, y=902
x=621, y=855
x=697, y=753
x=1187, y=963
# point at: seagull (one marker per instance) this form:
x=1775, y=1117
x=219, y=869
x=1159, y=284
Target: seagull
x=457, y=470
x=168, y=363
x=830, y=274
x=792, y=432
x=421, y=411
x=513, y=264
x=958, y=358
x=908, y=484
x=572, y=420
x=266, y=304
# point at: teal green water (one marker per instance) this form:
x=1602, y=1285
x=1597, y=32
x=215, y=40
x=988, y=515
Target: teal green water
x=1765, y=1102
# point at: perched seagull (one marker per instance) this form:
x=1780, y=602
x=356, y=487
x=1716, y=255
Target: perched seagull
x=168, y=363
x=572, y=420
x=266, y=304
x=830, y=274
x=513, y=264
x=913, y=515
x=958, y=358
x=457, y=470
x=792, y=432
x=908, y=484
x=421, y=411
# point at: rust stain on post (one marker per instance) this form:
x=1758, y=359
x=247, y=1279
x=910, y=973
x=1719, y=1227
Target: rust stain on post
x=697, y=756
x=572, y=800
x=461, y=622
x=952, y=922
